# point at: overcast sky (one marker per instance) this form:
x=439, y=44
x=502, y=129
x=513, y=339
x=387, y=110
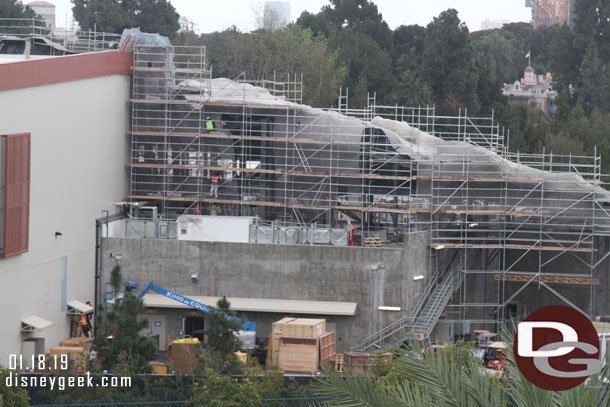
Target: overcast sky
x=216, y=15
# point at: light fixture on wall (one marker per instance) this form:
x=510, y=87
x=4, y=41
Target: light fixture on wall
x=194, y=277
x=57, y=234
x=418, y=277
x=388, y=308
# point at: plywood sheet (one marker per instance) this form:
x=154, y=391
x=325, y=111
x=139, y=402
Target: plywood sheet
x=299, y=354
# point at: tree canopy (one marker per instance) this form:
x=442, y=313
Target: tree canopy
x=293, y=50
x=15, y=9
x=155, y=16
x=119, y=341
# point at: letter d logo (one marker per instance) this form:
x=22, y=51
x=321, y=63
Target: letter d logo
x=525, y=334
x=557, y=348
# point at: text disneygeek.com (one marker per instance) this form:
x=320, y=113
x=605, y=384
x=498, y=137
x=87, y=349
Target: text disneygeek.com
x=62, y=382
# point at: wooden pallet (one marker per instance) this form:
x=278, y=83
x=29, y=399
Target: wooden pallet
x=571, y=280
x=339, y=359
x=328, y=348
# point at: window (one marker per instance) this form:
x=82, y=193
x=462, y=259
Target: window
x=14, y=193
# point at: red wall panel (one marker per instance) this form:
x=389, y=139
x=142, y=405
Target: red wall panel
x=47, y=71
x=16, y=194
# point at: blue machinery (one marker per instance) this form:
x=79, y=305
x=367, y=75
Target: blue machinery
x=248, y=326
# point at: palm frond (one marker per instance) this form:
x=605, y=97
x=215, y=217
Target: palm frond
x=450, y=377
x=482, y=387
x=522, y=392
x=356, y=391
x=595, y=392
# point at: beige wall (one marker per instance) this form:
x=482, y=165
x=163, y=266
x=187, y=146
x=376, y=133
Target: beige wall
x=78, y=155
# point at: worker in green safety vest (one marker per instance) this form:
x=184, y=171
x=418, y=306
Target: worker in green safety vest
x=209, y=124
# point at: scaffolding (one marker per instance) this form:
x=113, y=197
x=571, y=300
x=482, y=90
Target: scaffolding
x=499, y=222
x=57, y=41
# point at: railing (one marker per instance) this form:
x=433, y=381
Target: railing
x=479, y=131
x=439, y=299
x=73, y=40
x=117, y=403
x=403, y=325
x=445, y=280
x=307, y=401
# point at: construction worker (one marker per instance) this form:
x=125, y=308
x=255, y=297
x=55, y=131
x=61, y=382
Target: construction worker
x=209, y=124
x=83, y=321
x=214, y=187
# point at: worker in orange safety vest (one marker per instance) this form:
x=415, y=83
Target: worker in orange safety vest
x=84, y=325
x=214, y=187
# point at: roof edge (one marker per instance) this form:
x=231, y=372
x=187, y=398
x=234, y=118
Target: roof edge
x=52, y=70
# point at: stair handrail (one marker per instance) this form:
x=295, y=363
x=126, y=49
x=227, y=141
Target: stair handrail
x=413, y=314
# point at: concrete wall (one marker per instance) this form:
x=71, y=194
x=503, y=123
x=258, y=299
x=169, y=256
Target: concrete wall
x=78, y=154
x=293, y=272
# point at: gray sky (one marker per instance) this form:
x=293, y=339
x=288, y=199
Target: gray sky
x=215, y=15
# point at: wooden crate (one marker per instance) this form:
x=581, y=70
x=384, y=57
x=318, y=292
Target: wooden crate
x=328, y=348
x=299, y=354
x=274, y=348
x=294, y=328
x=78, y=341
x=361, y=363
x=183, y=357
x=339, y=362
x=299, y=327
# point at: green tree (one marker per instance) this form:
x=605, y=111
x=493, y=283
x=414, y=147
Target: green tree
x=156, y=16
x=369, y=67
x=119, y=341
x=361, y=16
x=220, y=332
x=407, y=47
x=16, y=9
x=564, y=58
x=447, y=63
x=410, y=90
x=592, y=90
x=528, y=128
x=292, y=50
x=12, y=396
x=20, y=15
x=493, y=55
x=592, y=23
x=224, y=391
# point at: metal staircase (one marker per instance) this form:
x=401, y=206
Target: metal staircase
x=422, y=318
x=436, y=303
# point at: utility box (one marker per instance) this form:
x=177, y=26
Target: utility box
x=203, y=228
x=247, y=339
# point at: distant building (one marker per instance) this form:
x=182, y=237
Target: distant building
x=46, y=10
x=550, y=12
x=533, y=89
x=277, y=14
x=488, y=24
